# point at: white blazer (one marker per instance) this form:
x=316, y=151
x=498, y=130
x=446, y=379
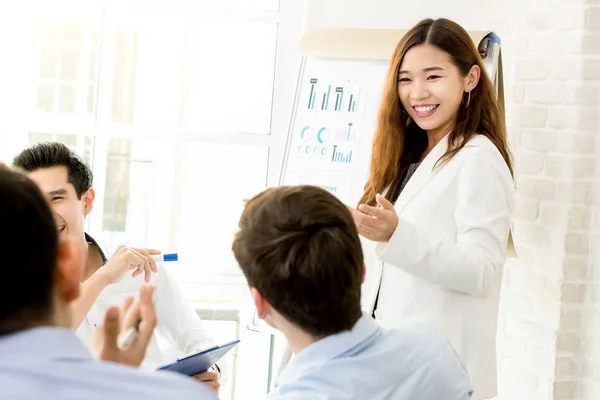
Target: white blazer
x=444, y=262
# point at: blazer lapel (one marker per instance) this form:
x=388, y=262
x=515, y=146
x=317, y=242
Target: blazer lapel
x=422, y=175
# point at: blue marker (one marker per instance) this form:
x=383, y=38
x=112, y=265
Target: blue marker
x=165, y=257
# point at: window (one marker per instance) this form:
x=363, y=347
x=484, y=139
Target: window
x=235, y=94
x=116, y=194
x=219, y=177
x=67, y=54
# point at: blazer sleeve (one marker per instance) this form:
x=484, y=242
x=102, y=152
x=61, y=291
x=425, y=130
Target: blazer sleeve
x=471, y=263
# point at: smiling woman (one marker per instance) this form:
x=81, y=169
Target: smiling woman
x=439, y=197
x=423, y=89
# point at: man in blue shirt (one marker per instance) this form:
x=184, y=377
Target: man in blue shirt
x=40, y=357
x=300, y=252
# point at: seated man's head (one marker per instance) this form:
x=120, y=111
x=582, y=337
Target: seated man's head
x=40, y=275
x=65, y=180
x=300, y=252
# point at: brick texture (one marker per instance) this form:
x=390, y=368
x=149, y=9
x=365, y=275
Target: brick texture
x=549, y=346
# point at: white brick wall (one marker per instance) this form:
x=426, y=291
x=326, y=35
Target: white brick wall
x=589, y=355
x=550, y=314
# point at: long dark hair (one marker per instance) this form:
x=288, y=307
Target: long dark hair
x=398, y=140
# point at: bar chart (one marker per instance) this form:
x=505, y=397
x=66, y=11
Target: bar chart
x=328, y=97
x=346, y=133
x=312, y=96
x=339, y=98
x=352, y=103
x=341, y=157
x=325, y=101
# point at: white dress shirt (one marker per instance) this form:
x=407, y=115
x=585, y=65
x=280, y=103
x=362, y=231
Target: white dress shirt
x=50, y=363
x=412, y=361
x=179, y=329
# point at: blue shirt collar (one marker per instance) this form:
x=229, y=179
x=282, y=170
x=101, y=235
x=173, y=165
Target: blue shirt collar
x=329, y=348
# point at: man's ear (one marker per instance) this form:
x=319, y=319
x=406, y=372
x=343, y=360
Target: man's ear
x=263, y=308
x=69, y=270
x=88, y=201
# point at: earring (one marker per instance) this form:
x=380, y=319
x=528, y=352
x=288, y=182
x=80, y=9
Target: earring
x=468, y=99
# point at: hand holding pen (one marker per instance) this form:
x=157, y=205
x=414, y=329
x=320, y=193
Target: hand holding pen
x=134, y=316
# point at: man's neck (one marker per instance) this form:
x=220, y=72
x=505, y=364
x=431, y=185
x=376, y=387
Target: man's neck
x=297, y=338
x=61, y=314
x=62, y=318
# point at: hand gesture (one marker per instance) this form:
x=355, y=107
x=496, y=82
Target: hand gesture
x=132, y=313
x=376, y=223
x=128, y=258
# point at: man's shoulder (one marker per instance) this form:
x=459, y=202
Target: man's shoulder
x=415, y=338
x=410, y=346
x=67, y=380
x=414, y=331
x=424, y=350
x=401, y=363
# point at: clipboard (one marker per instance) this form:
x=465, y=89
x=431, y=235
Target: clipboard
x=198, y=362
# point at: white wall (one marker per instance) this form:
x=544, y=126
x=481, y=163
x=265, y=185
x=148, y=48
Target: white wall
x=549, y=341
x=390, y=14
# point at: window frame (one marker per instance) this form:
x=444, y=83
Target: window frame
x=287, y=61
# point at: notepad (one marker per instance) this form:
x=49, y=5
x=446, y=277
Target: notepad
x=193, y=364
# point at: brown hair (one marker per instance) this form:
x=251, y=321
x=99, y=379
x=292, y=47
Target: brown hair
x=29, y=251
x=398, y=140
x=55, y=154
x=298, y=246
